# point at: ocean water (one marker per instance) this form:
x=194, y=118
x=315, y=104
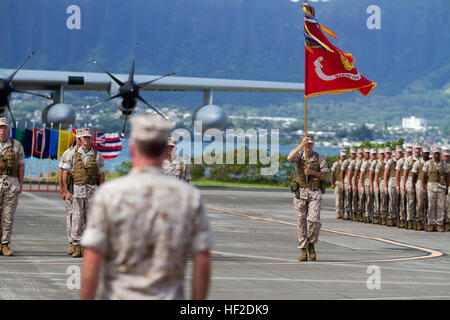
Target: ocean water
x=35, y=166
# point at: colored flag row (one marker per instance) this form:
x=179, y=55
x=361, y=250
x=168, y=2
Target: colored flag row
x=49, y=143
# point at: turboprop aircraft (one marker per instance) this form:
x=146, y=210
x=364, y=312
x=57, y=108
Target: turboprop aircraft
x=124, y=91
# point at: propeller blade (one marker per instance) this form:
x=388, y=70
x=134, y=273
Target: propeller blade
x=131, y=76
x=10, y=112
x=33, y=93
x=124, y=125
x=11, y=76
x=144, y=84
x=157, y=111
x=120, y=83
x=90, y=106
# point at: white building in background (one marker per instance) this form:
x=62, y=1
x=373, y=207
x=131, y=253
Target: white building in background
x=414, y=123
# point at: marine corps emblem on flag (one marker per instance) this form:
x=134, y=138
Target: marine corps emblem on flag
x=327, y=68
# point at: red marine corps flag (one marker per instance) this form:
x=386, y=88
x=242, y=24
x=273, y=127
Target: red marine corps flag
x=328, y=69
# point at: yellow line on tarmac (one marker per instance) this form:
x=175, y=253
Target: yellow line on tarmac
x=430, y=253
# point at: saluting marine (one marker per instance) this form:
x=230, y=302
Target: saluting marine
x=336, y=184
x=173, y=165
x=308, y=188
x=12, y=170
x=437, y=172
x=67, y=201
x=86, y=166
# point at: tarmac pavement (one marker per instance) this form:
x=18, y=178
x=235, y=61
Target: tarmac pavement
x=255, y=253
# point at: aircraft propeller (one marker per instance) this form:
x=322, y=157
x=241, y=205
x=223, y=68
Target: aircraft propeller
x=128, y=91
x=6, y=89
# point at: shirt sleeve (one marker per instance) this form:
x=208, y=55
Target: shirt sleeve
x=415, y=168
x=67, y=164
x=95, y=234
x=323, y=164
x=334, y=166
x=399, y=165
x=187, y=174
x=372, y=166
x=425, y=166
x=20, y=155
x=100, y=163
x=378, y=167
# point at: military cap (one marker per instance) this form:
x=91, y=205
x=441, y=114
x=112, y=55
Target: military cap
x=373, y=150
x=366, y=149
x=436, y=149
x=360, y=150
x=171, y=142
x=409, y=148
x=381, y=150
x=417, y=145
x=399, y=148
x=150, y=127
x=4, y=122
x=86, y=132
x=387, y=150
x=343, y=152
x=78, y=132
x=426, y=149
x=353, y=150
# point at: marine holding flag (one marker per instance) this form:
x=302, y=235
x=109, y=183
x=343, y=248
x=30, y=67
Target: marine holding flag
x=327, y=68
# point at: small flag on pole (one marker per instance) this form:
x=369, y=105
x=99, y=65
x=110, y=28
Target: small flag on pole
x=108, y=144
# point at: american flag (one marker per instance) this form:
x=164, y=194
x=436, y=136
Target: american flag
x=108, y=144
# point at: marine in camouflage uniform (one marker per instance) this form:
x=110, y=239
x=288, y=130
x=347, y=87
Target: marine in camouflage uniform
x=353, y=174
x=363, y=174
x=400, y=190
x=175, y=166
x=86, y=166
x=307, y=205
x=144, y=234
x=377, y=166
x=447, y=205
x=337, y=184
x=382, y=184
x=437, y=172
x=366, y=181
x=67, y=201
x=12, y=169
x=346, y=176
x=391, y=187
x=420, y=196
x=408, y=187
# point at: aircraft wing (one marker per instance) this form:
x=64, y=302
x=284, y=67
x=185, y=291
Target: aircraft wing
x=87, y=81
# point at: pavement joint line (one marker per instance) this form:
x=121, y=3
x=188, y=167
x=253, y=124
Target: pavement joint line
x=431, y=253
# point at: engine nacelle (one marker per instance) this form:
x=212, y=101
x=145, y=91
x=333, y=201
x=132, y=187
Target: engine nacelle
x=59, y=113
x=211, y=116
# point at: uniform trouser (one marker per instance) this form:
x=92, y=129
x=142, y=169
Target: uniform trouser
x=69, y=210
x=80, y=208
x=9, y=199
x=338, y=197
x=436, y=205
x=347, y=199
x=383, y=200
x=361, y=200
x=402, y=207
x=410, y=200
x=355, y=200
x=376, y=201
x=369, y=199
x=447, y=207
x=420, y=202
x=307, y=212
x=393, y=200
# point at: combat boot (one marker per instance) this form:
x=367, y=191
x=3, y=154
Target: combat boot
x=390, y=222
x=304, y=256
x=354, y=216
x=420, y=225
x=410, y=225
x=383, y=221
x=6, y=251
x=430, y=227
x=439, y=228
x=71, y=249
x=339, y=215
x=360, y=217
x=367, y=220
x=402, y=224
x=447, y=226
x=346, y=216
x=77, y=252
x=312, y=252
x=376, y=220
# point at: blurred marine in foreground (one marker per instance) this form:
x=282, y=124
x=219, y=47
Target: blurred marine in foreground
x=140, y=235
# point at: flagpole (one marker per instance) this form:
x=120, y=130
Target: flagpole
x=31, y=154
x=305, y=2
x=48, y=162
x=40, y=158
x=57, y=157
